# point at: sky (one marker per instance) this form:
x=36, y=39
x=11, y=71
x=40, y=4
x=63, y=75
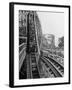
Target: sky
x=52, y=23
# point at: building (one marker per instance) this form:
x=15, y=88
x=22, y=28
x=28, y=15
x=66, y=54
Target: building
x=50, y=40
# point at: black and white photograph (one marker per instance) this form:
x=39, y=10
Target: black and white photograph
x=41, y=44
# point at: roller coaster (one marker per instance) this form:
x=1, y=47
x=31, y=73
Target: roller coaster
x=33, y=62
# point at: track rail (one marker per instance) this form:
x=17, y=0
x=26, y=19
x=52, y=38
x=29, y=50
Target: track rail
x=29, y=68
x=57, y=65
x=23, y=71
x=34, y=67
x=53, y=69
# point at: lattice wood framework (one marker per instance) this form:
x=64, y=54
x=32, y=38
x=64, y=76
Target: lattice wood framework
x=30, y=32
